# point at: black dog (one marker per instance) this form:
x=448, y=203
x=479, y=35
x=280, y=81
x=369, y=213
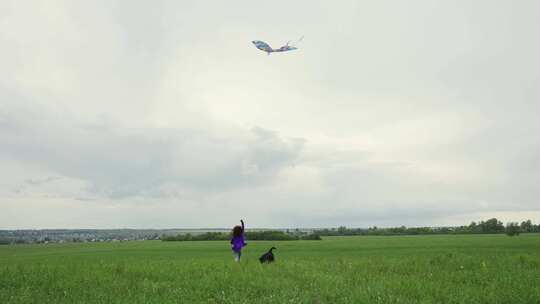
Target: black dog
x=267, y=257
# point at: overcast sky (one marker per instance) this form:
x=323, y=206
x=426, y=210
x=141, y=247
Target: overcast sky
x=160, y=114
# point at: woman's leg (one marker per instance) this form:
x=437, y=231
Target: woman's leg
x=236, y=255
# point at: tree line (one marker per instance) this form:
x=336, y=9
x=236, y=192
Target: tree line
x=268, y=235
x=491, y=226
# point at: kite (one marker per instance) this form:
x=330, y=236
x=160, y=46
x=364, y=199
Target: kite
x=263, y=46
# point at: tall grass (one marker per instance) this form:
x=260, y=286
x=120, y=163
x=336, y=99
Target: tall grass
x=413, y=269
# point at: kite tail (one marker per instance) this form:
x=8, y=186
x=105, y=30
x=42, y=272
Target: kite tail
x=297, y=41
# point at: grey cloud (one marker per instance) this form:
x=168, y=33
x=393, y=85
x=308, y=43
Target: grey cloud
x=119, y=161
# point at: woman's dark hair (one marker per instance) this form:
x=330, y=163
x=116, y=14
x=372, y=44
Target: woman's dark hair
x=237, y=231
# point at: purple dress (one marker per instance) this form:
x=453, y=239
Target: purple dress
x=238, y=242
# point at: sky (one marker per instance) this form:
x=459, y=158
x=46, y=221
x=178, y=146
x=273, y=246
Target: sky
x=162, y=114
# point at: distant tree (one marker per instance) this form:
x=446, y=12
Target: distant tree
x=342, y=230
x=527, y=226
x=492, y=225
x=270, y=236
x=311, y=237
x=473, y=227
x=512, y=229
x=443, y=230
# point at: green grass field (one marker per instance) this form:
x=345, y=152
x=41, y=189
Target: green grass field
x=408, y=269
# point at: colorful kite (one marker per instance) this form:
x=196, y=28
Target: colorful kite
x=263, y=46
